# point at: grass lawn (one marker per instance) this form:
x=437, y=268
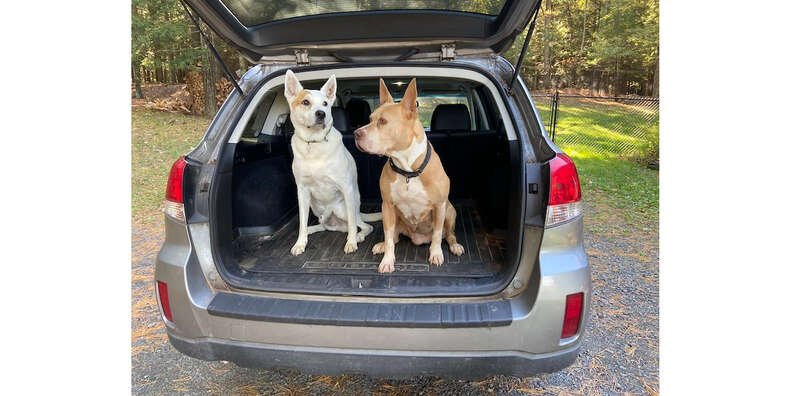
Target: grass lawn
x=158, y=138
x=599, y=136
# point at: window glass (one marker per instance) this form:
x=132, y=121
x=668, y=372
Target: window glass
x=255, y=12
x=427, y=104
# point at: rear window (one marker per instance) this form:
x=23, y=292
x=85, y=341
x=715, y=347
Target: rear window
x=252, y=13
x=427, y=104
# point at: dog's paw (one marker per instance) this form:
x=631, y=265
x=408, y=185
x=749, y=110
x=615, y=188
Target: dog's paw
x=298, y=249
x=350, y=246
x=386, y=265
x=361, y=237
x=456, y=249
x=436, y=256
x=378, y=248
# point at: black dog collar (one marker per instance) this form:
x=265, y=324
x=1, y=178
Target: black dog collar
x=410, y=175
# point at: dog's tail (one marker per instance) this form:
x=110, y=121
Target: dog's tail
x=371, y=216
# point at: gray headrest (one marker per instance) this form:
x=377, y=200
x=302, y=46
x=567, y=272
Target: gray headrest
x=359, y=112
x=450, y=117
x=341, y=120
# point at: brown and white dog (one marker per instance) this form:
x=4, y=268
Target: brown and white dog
x=415, y=195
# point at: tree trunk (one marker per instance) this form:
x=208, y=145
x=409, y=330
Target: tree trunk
x=583, y=36
x=242, y=66
x=172, y=79
x=209, y=74
x=136, y=81
x=656, y=82
x=547, y=64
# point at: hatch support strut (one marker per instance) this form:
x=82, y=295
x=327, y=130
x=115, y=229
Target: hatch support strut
x=525, y=45
x=212, y=48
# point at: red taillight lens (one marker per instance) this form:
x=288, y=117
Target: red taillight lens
x=572, y=315
x=174, y=191
x=162, y=288
x=564, y=182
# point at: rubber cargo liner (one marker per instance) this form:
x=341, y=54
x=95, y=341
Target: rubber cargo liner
x=324, y=254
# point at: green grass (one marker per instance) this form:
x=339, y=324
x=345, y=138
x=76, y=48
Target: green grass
x=600, y=137
x=158, y=138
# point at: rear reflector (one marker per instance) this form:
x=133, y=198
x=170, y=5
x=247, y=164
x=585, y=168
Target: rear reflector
x=572, y=315
x=162, y=289
x=565, y=194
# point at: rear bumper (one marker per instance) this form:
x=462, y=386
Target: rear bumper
x=375, y=363
x=524, y=343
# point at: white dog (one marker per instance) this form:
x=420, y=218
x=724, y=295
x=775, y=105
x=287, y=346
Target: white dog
x=324, y=170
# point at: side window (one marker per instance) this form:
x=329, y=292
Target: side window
x=265, y=118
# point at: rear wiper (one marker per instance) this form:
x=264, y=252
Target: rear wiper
x=525, y=45
x=214, y=51
x=410, y=52
x=406, y=55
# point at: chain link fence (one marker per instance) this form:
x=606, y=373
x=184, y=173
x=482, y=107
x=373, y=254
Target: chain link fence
x=620, y=127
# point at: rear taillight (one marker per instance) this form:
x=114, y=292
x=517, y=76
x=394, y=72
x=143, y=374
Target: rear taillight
x=162, y=290
x=174, y=198
x=564, y=201
x=572, y=315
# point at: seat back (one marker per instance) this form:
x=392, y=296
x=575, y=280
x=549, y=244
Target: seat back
x=359, y=112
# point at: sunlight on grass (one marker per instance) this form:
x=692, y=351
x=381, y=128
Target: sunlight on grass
x=599, y=136
x=158, y=138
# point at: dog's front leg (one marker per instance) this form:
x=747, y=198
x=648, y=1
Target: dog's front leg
x=435, y=248
x=389, y=226
x=352, y=219
x=303, y=204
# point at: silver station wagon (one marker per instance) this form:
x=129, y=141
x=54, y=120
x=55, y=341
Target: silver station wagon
x=515, y=303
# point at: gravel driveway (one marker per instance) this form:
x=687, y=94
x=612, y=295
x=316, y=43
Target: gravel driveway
x=619, y=354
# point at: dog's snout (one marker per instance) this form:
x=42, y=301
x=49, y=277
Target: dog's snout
x=320, y=114
x=358, y=133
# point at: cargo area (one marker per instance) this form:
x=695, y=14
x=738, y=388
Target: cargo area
x=257, y=203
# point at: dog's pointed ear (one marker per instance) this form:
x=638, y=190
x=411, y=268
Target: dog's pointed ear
x=292, y=87
x=329, y=89
x=409, y=100
x=385, y=96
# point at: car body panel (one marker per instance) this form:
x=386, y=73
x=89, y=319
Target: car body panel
x=535, y=328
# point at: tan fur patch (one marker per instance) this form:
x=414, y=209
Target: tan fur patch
x=299, y=98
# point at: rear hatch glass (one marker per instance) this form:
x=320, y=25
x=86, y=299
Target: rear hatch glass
x=255, y=13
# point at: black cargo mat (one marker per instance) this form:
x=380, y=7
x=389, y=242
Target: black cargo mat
x=324, y=254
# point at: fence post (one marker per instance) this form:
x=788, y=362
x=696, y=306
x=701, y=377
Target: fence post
x=554, y=116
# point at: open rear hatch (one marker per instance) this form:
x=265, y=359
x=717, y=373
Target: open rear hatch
x=364, y=30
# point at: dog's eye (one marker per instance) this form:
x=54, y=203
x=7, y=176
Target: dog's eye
x=306, y=102
x=382, y=121
x=324, y=103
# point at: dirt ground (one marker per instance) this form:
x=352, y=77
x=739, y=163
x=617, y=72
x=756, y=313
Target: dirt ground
x=619, y=354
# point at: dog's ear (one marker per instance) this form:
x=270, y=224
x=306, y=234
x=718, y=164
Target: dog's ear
x=329, y=89
x=292, y=86
x=409, y=100
x=385, y=96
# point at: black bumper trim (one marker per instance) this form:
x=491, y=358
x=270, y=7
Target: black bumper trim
x=484, y=314
x=376, y=363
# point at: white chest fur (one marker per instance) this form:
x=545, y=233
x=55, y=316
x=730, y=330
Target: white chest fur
x=410, y=198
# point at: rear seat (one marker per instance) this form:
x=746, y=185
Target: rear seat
x=466, y=154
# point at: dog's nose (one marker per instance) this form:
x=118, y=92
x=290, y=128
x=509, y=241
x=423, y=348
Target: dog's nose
x=320, y=114
x=358, y=133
